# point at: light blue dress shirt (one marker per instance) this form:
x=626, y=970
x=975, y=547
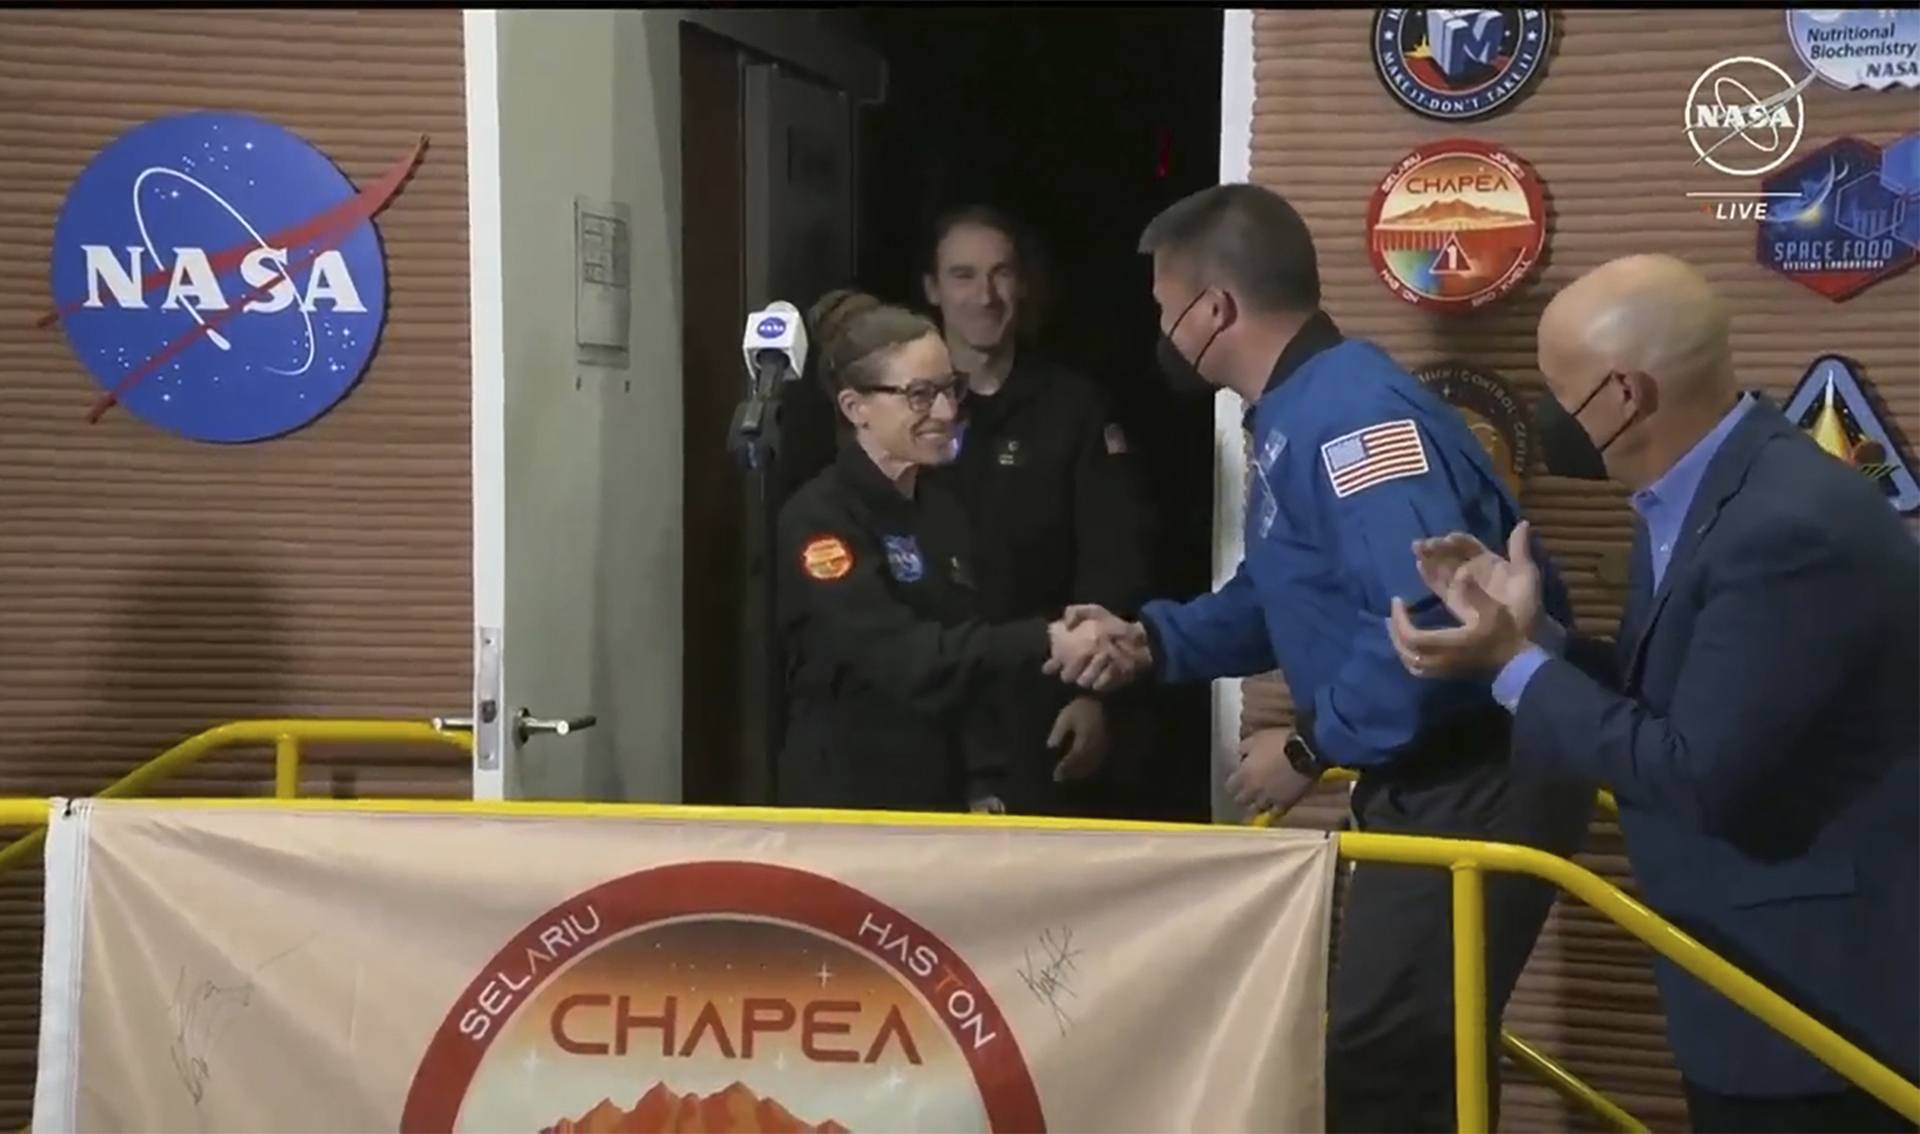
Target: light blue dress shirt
x=1663, y=507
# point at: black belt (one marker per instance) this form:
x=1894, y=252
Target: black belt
x=1479, y=737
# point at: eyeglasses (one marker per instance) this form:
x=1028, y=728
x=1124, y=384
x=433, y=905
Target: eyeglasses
x=921, y=394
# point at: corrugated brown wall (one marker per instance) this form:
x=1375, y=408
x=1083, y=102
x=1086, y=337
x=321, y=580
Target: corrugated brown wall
x=1601, y=129
x=154, y=586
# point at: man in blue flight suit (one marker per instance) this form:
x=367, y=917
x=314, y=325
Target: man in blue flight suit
x=1354, y=459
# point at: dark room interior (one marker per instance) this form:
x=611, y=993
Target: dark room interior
x=1082, y=122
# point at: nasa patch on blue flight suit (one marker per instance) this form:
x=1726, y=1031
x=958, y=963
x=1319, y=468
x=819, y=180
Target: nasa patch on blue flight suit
x=903, y=558
x=1271, y=447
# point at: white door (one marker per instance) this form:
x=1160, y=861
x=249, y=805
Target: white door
x=572, y=175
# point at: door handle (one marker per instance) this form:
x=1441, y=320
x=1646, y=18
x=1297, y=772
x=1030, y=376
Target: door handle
x=525, y=724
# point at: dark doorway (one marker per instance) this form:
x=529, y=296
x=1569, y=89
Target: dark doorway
x=1083, y=122
x=714, y=765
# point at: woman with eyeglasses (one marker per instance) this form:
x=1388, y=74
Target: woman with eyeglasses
x=895, y=684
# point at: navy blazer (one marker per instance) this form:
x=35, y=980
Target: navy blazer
x=1757, y=721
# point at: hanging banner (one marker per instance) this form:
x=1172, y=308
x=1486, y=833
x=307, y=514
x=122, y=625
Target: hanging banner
x=262, y=968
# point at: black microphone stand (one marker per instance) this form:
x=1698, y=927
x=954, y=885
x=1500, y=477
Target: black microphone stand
x=754, y=440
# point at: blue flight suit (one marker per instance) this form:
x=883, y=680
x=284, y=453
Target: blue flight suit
x=1353, y=460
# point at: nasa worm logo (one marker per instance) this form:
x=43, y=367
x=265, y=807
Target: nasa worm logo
x=219, y=276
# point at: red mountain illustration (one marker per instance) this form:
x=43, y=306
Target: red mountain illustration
x=1452, y=213
x=662, y=1110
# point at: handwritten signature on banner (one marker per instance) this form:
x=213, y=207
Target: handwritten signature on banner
x=1047, y=975
x=200, y=1009
x=204, y=1009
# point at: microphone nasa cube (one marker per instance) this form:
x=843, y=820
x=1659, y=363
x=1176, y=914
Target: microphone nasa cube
x=776, y=330
x=219, y=277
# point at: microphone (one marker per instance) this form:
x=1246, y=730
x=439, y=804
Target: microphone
x=775, y=333
x=774, y=347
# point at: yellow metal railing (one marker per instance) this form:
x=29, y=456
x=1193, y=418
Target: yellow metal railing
x=1468, y=860
x=286, y=735
x=1570, y=1086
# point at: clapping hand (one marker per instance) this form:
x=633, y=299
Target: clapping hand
x=1496, y=600
x=1096, y=649
x=1452, y=560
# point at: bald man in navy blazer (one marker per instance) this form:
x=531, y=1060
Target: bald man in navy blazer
x=1758, y=717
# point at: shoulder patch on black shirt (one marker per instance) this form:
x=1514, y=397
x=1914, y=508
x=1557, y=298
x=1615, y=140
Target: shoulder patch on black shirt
x=903, y=558
x=1379, y=453
x=1116, y=439
x=827, y=558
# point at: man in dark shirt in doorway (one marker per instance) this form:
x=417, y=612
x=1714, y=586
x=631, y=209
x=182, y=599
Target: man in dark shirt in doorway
x=1057, y=512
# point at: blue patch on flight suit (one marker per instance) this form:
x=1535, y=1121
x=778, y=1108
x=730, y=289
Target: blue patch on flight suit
x=1269, y=455
x=903, y=558
x=1271, y=448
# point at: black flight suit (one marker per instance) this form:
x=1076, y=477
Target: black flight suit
x=1057, y=516
x=893, y=679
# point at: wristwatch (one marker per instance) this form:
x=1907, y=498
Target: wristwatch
x=1302, y=756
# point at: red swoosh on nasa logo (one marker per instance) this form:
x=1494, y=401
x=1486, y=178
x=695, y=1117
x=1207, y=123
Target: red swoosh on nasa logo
x=323, y=232
x=348, y=212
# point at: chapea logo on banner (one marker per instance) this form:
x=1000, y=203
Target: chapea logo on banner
x=272, y=969
x=219, y=277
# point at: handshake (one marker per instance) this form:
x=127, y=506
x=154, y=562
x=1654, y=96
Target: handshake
x=1093, y=648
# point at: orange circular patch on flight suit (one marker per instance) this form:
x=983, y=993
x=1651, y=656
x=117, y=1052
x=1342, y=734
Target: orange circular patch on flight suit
x=826, y=558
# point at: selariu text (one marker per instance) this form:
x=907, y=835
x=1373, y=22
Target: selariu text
x=558, y=941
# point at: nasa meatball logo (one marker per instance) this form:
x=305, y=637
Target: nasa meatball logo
x=772, y=327
x=1456, y=225
x=219, y=277
x=723, y=996
x=1459, y=64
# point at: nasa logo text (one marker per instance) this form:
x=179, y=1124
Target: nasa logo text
x=1744, y=116
x=219, y=277
x=1457, y=64
x=903, y=558
x=1851, y=48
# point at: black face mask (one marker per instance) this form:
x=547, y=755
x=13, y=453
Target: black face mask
x=1564, y=444
x=1183, y=376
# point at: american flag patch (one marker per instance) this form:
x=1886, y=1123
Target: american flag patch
x=1374, y=455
